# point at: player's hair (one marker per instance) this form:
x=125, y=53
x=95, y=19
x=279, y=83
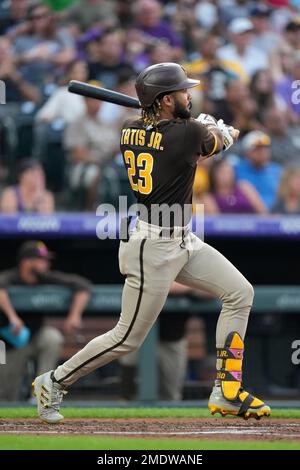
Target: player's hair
x=150, y=115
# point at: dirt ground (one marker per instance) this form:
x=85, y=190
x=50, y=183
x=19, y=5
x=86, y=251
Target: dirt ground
x=214, y=429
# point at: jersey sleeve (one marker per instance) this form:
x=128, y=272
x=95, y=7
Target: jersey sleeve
x=200, y=141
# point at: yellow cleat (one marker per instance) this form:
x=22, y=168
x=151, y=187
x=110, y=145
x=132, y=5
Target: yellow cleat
x=245, y=405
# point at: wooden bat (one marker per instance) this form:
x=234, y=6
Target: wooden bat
x=235, y=134
x=103, y=94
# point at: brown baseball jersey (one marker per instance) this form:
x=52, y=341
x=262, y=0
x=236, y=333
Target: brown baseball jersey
x=161, y=161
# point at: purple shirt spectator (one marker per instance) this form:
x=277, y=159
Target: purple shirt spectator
x=163, y=31
x=235, y=203
x=148, y=19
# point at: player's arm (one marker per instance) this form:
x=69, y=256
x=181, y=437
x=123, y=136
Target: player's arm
x=9, y=311
x=6, y=279
x=212, y=141
x=224, y=136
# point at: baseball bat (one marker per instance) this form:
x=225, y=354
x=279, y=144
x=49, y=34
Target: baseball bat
x=235, y=134
x=103, y=94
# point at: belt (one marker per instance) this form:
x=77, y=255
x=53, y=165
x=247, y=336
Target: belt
x=162, y=232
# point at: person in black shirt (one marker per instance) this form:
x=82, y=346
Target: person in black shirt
x=45, y=341
x=160, y=151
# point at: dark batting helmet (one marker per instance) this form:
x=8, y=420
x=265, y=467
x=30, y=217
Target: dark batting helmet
x=161, y=78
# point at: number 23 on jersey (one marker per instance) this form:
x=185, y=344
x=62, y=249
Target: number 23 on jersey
x=140, y=169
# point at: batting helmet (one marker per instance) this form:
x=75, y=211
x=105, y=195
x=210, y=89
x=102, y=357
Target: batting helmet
x=161, y=78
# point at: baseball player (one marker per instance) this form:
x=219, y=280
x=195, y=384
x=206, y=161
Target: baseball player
x=160, y=150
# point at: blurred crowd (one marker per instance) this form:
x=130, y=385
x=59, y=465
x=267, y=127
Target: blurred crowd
x=60, y=151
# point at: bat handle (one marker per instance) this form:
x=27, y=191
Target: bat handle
x=235, y=134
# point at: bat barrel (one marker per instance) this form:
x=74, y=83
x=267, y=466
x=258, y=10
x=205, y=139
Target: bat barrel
x=103, y=94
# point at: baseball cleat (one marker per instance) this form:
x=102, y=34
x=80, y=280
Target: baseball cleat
x=244, y=405
x=49, y=395
x=228, y=396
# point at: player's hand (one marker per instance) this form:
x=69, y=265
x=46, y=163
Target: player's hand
x=230, y=134
x=206, y=119
x=17, y=324
x=71, y=323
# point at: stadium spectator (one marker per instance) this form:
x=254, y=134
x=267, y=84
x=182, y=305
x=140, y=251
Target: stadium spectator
x=88, y=45
x=281, y=61
x=240, y=48
x=238, y=108
x=45, y=342
x=288, y=200
x=148, y=18
x=62, y=104
x=228, y=196
x=93, y=12
x=231, y=9
x=246, y=119
x=288, y=88
x=91, y=144
x=118, y=39
x=285, y=141
x=265, y=38
x=15, y=14
x=108, y=60
x=114, y=115
x=256, y=167
x=135, y=45
x=284, y=12
x=213, y=72
x=160, y=51
x=17, y=88
x=206, y=13
x=30, y=194
x=43, y=48
x=262, y=91
x=184, y=17
x=292, y=32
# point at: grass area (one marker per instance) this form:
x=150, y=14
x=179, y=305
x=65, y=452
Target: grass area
x=52, y=442
x=113, y=413
x=100, y=443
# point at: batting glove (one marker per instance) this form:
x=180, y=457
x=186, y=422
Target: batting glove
x=206, y=119
x=226, y=132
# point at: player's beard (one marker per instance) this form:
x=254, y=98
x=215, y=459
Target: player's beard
x=181, y=111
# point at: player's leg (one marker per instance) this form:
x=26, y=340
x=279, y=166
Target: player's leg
x=139, y=312
x=151, y=267
x=209, y=270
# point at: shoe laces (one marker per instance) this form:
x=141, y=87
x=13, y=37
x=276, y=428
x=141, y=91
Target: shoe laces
x=57, y=395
